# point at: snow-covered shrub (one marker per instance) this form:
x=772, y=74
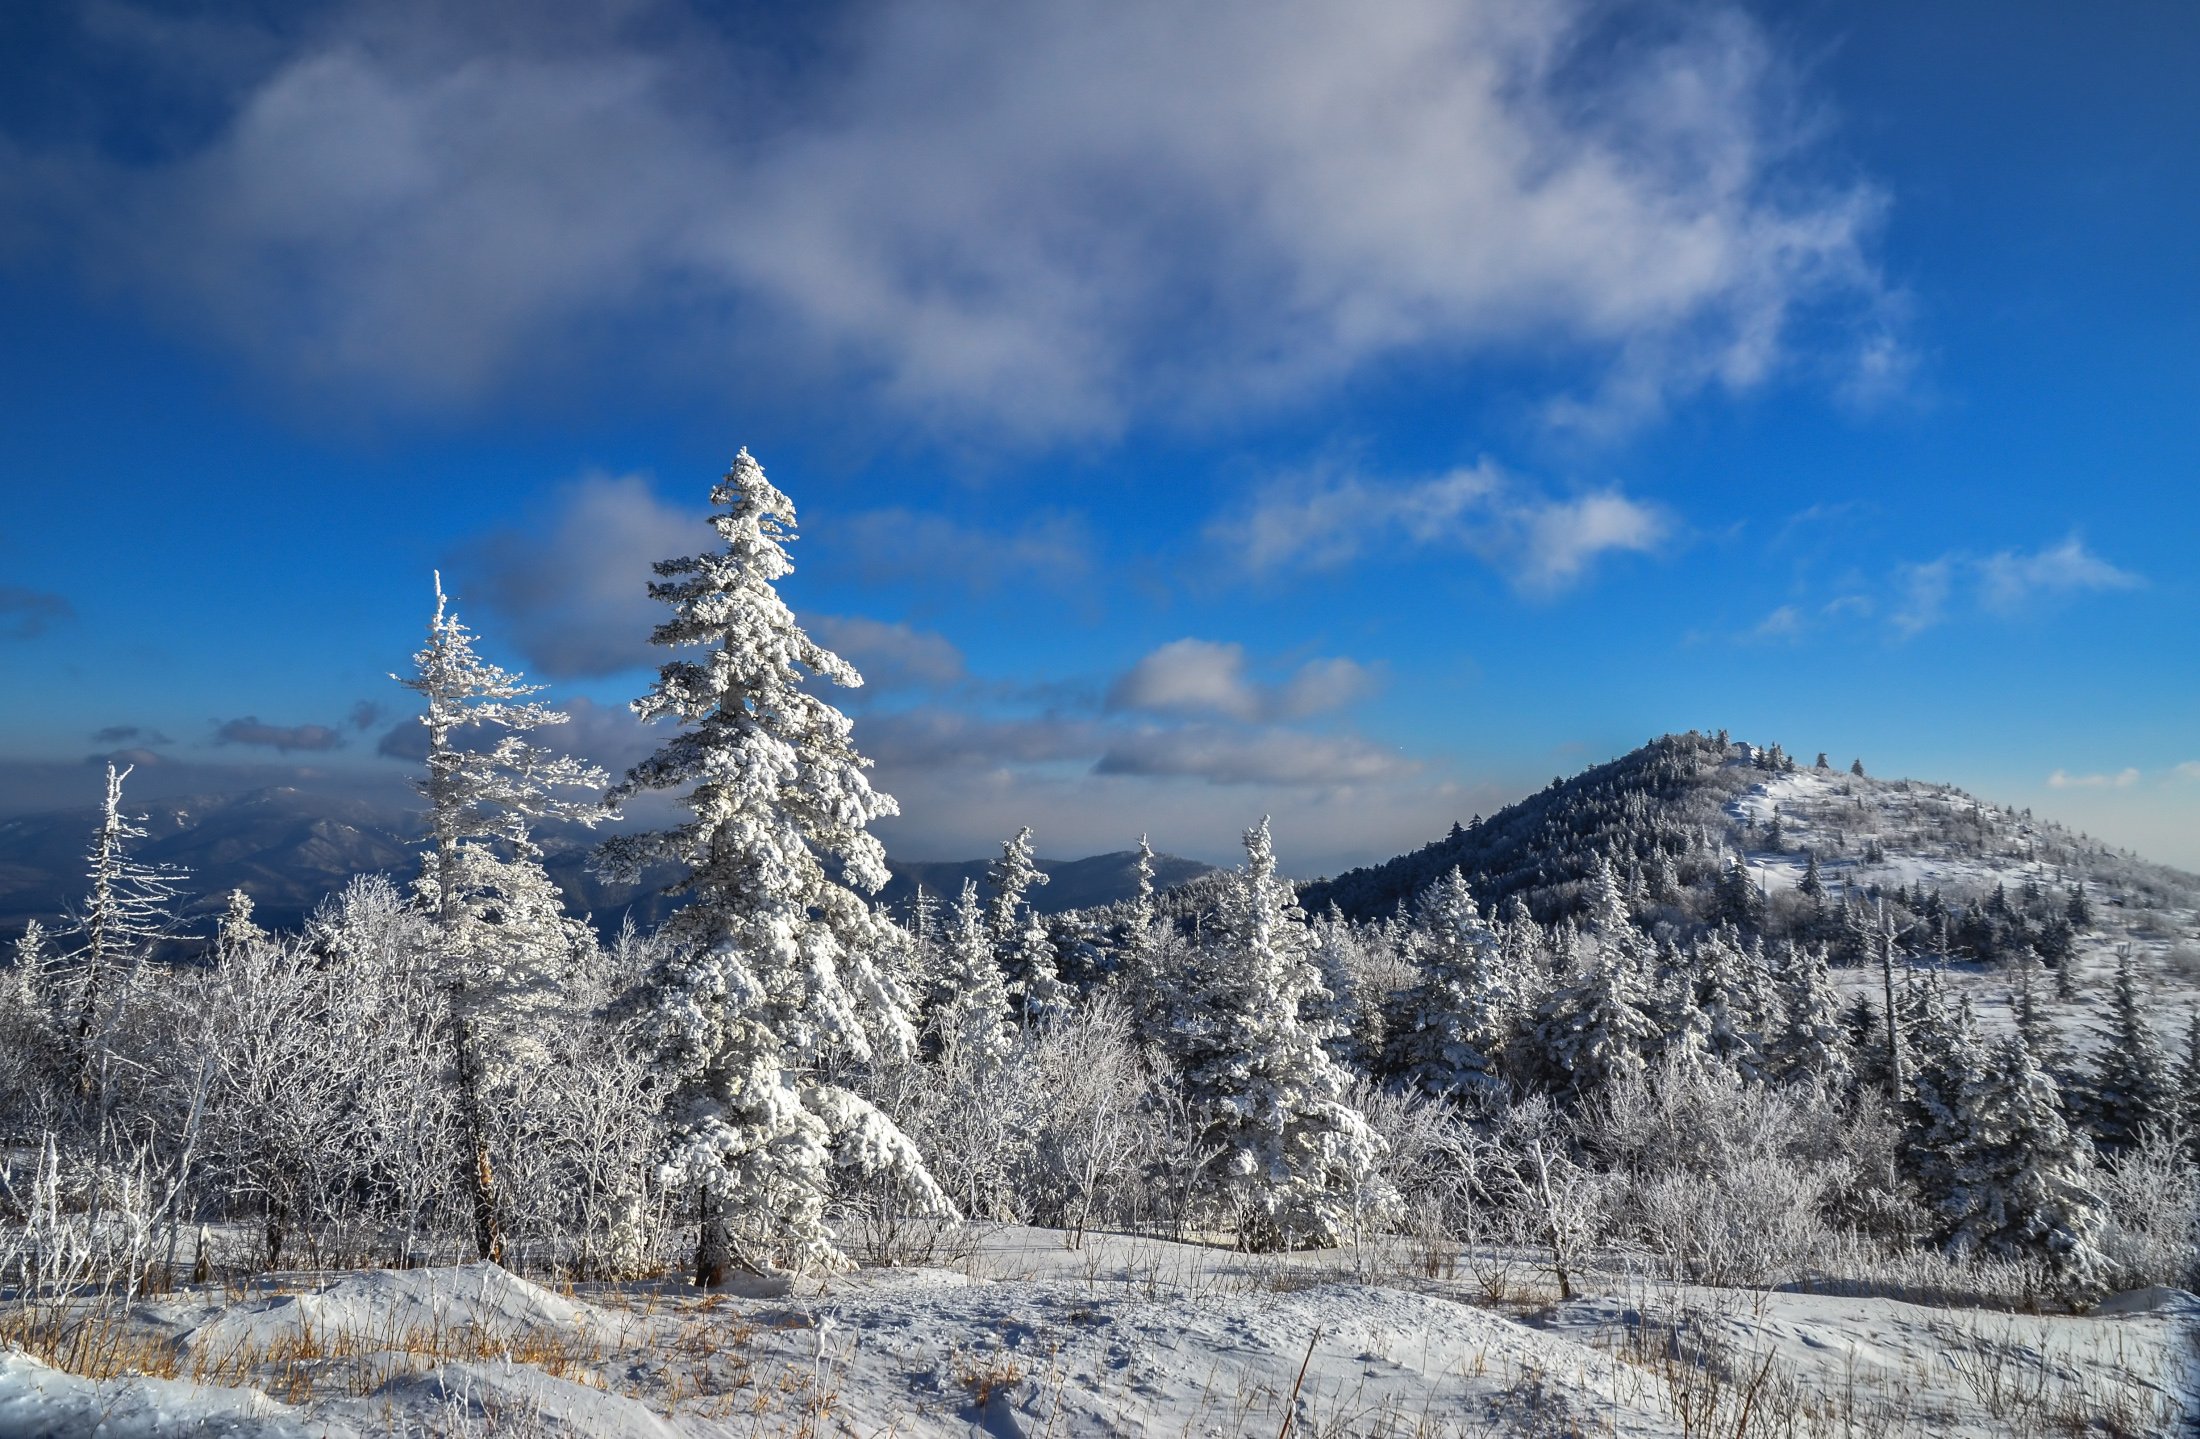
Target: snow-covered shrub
x=2153, y=1233
x=1090, y=1130
x=1726, y=1182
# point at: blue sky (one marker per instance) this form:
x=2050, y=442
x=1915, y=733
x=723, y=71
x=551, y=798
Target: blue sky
x=1352, y=415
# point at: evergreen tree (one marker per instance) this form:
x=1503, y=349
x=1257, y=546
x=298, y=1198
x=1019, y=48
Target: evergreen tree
x=972, y=1018
x=127, y=911
x=504, y=940
x=1036, y=994
x=2131, y=1080
x=27, y=976
x=1729, y=991
x=1856, y=767
x=1811, y=1042
x=2023, y=1184
x=1946, y=1056
x=1454, y=1022
x=769, y=974
x=2028, y=1005
x=1295, y=1163
x=1138, y=976
x=1599, y=1024
x=1737, y=900
x=1812, y=884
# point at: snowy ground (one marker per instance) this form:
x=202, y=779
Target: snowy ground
x=1026, y=1336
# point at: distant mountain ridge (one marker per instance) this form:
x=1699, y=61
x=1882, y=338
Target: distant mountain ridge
x=289, y=848
x=1071, y=883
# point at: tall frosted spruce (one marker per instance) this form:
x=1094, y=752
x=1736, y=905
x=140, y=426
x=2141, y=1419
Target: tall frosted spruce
x=1292, y=1162
x=772, y=973
x=1454, y=1023
x=125, y=914
x=503, y=938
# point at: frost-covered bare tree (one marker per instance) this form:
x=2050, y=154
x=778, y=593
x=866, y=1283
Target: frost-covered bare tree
x=771, y=975
x=128, y=909
x=504, y=940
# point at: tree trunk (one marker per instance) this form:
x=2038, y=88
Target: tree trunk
x=713, y=1246
x=481, y=1176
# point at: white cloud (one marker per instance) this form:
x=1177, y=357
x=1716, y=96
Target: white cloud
x=2012, y=579
x=1032, y=220
x=2190, y=769
x=2122, y=779
x=1784, y=623
x=1203, y=677
x=891, y=655
x=571, y=594
x=1543, y=544
x=1919, y=596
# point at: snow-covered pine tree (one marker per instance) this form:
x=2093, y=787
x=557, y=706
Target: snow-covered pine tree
x=1450, y=1034
x=125, y=914
x=237, y=927
x=1346, y=1009
x=2027, y=1005
x=2024, y=1186
x=1036, y=994
x=504, y=941
x=770, y=975
x=972, y=1018
x=1946, y=1057
x=2078, y=909
x=2131, y=1082
x=27, y=975
x=1810, y=1044
x=1293, y=1162
x=1734, y=994
x=1137, y=972
x=1736, y=899
x=1599, y=1023
x=923, y=948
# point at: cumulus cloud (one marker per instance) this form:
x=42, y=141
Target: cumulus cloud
x=1543, y=543
x=25, y=614
x=281, y=738
x=1203, y=677
x=571, y=593
x=1029, y=219
x=2190, y=769
x=890, y=655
